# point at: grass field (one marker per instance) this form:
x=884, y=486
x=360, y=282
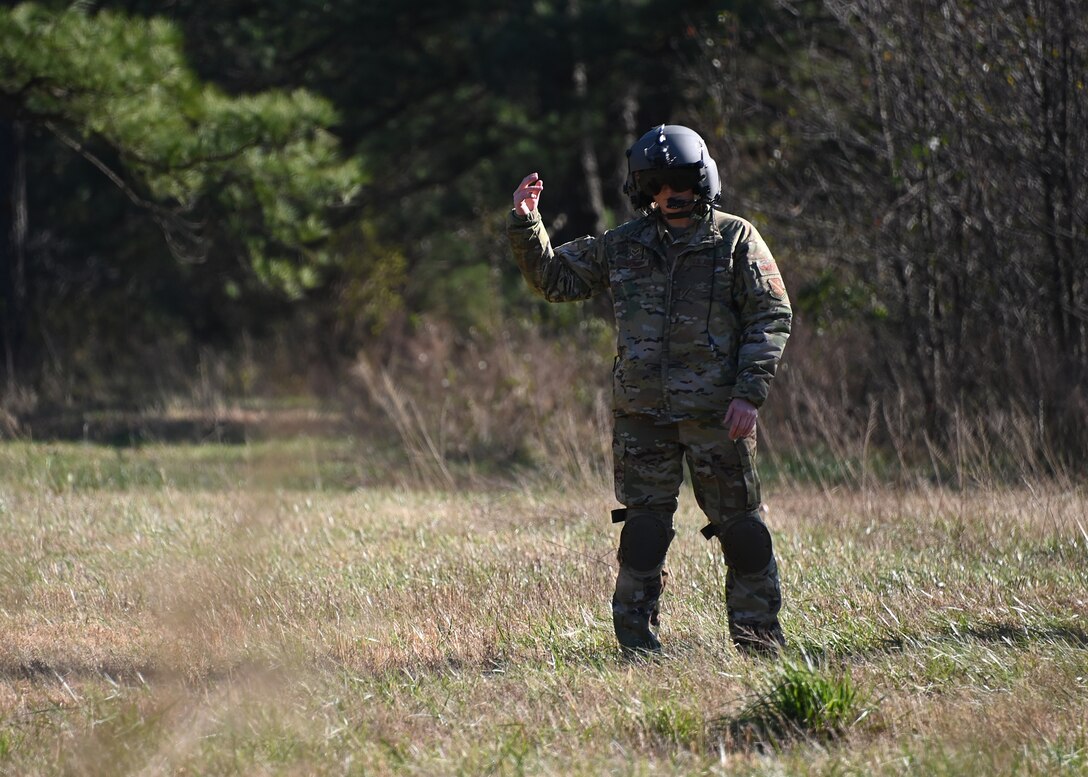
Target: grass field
x=272, y=609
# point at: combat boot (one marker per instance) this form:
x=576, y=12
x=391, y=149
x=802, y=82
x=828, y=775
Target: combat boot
x=632, y=625
x=633, y=632
x=635, y=611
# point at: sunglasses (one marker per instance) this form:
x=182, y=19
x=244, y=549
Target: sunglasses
x=682, y=180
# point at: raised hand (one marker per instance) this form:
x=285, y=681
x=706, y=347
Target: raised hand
x=527, y=195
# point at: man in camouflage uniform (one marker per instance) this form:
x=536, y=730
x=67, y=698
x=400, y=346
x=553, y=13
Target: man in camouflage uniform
x=702, y=318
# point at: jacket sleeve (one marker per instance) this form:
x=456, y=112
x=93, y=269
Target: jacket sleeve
x=573, y=271
x=765, y=316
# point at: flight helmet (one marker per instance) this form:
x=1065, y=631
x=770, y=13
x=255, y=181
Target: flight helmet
x=674, y=154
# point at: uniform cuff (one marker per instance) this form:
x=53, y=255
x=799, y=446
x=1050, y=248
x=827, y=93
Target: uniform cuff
x=516, y=219
x=753, y=394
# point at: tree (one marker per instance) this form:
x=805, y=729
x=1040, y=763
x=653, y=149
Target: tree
x=448, y=101
x=924, y=165
x=257, y=178
x=976, y=116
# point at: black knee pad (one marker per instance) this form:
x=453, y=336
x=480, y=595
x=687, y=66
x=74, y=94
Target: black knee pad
x=747, y=545
x=644, y=541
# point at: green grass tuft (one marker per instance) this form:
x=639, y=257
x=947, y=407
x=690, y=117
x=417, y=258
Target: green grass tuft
x=800, y=701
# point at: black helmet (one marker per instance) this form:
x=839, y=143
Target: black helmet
x=672, y=147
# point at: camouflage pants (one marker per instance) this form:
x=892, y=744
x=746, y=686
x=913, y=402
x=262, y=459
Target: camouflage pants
x=648, y=457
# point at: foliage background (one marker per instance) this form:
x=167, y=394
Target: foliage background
x=242, y=200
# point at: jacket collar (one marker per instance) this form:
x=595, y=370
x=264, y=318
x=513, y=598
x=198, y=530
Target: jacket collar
x=650, y=229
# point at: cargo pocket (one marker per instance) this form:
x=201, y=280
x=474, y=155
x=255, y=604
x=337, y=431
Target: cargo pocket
x=746, y=450
x=618, y=452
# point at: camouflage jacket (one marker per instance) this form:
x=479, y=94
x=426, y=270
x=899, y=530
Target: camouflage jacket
x=691, y=335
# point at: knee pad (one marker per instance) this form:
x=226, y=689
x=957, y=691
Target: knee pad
x=747, y=545
x=644, y=541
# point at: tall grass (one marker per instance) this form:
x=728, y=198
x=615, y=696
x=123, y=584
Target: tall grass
x=498, y=408
x=518, y=406
x=829, y=421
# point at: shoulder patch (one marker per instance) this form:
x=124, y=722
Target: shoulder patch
x=768, y=266
x=778, y=289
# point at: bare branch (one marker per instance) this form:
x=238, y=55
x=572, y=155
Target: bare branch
x=182, y=235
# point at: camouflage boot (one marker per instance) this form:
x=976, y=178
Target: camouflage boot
x=635, y=610
x=753, y=602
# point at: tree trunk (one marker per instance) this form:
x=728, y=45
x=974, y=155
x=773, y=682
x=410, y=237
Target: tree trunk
x=13, y=233
x=586, y=151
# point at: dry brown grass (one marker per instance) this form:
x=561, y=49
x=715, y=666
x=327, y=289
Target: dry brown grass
x=245, y=630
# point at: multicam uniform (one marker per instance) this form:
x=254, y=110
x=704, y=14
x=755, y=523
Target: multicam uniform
x=702, y=319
